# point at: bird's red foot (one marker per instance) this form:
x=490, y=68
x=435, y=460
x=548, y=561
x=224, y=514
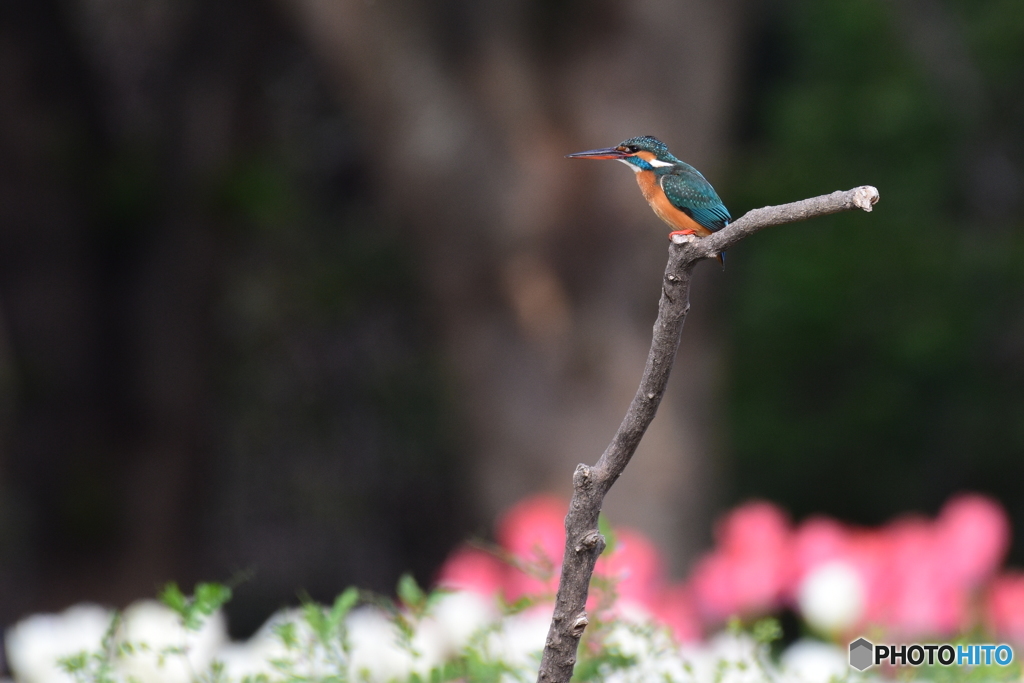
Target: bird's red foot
x=681, y=232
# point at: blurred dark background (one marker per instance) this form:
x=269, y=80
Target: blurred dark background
x=303, y=291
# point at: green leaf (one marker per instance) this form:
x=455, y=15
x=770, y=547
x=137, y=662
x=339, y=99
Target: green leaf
x=410, y=593
x=343, y=604
x=172, y=596
x=74, y=663
x=404, y=627
x=287, y=634
x=210, y=597
x=767, y=631
x=314, y=616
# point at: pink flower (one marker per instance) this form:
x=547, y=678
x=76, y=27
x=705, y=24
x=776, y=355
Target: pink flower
x=756, y=528
x=751, y=570
x=924, y=593
x=471, y=569
x=1004, y=606
x=917, y=574
x=533, y=531
x=818, y=540
x=914, y=577
x=635, y=566
x=974, y=535
x=928, y=606
x=675, y=609
x=869, y=554
x=713, y=587
x=909, y=575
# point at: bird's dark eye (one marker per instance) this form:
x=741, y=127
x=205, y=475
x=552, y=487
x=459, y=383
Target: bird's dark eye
x=633, y=149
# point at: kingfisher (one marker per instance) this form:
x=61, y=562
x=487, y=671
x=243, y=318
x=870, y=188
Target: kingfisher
x=677, y=192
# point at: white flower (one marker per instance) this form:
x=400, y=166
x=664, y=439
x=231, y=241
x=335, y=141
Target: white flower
x=657, y=656
x=378, y=654
x=36, y=643
x=246, y=659
x=455, y=618
x=519, y=640
x=831, y=597
x=154, y=630
x=812, y=661
x=376, y=651
x=726, y=658
x=308, y=657
x=253, y=657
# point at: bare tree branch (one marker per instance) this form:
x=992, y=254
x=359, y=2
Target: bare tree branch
x=583, y=542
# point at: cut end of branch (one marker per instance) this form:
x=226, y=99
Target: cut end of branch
x=683, y=239
x=865, y=197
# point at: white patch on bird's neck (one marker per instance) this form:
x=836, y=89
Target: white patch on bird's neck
x=658, y=163
x=634, y=167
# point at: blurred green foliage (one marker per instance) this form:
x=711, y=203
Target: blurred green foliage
x=877, y=361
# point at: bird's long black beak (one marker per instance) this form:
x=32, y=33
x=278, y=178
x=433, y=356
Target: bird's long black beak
x=606, y=153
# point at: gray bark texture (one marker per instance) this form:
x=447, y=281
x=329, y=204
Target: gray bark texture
x=583, y=542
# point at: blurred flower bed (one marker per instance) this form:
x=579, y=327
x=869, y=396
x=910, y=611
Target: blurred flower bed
x=912, y=580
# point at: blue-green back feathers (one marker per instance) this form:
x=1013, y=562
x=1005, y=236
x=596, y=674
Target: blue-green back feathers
x=688, y=191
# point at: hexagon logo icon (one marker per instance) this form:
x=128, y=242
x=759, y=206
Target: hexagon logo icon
x=861, y=652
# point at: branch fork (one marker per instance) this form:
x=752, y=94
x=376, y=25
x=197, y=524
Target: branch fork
x=583, y=542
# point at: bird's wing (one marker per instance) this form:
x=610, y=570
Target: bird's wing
x=690, y=192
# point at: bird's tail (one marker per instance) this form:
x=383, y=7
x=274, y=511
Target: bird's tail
x=721, y=259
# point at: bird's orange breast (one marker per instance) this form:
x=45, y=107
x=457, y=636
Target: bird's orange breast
x=655, y=196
